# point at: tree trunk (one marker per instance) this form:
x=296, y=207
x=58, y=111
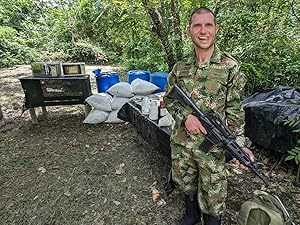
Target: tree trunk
x=177, y=29
x=71, y=25
x=160, y=31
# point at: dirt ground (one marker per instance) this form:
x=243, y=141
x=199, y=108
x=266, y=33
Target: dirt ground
x=64, y=172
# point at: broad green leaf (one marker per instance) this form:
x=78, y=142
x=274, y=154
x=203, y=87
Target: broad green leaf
x=289, y=158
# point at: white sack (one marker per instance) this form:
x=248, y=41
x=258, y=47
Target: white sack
x=101, y=101
x=113, y=117
x=96, y=116
x=121, y=89
x=142, y=87
x=118, y=102
x=166, y=121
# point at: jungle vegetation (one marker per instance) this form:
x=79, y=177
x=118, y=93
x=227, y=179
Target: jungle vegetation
x=264, y=35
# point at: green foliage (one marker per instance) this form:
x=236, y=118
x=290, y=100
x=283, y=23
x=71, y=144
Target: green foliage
x=263, y=35
x=294, y=153
x=7, y=32
x=12, y=13
x=265, y=38
x=48, y=35
x=86, y=52
x=12, y=48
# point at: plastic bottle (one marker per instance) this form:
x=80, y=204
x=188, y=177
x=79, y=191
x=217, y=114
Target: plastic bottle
x=145, y=105
x=153, y=111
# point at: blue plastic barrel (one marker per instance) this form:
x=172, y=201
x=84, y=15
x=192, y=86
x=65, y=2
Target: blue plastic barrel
x=97, y=72
x=160, y=80
x=134, y=74
x=106, y=80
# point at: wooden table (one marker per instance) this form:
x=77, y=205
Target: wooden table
x=49, y=91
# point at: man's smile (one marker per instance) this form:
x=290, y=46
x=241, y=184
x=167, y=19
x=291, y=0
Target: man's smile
x=203, y=38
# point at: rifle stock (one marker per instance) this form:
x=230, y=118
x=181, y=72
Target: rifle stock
x=217, y=131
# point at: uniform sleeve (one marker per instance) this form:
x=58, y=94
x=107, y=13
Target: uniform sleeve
x=174, y=107
x=233, y=111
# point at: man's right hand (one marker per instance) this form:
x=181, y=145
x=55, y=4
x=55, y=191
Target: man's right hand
x=194, y=125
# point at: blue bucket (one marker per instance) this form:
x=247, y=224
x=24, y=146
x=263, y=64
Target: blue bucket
x=134, y=74
x=160, y=80
x=105, y=81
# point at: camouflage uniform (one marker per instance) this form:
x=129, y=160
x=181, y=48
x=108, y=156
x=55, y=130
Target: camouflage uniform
x=215, y=85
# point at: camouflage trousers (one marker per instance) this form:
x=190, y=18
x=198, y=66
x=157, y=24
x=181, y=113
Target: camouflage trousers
x=201, y=173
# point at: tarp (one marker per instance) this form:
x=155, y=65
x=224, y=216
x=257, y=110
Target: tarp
x=265, y=115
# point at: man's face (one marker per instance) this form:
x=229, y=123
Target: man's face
x=203, y=30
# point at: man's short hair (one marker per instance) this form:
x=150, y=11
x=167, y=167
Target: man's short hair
x=202, y=10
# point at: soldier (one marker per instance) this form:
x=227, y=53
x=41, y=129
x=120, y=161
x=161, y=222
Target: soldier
x=212, y=79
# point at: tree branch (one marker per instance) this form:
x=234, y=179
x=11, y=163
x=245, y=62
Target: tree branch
x=293, y=10
x=160, y=31
x=100, y=15
x=177, y=29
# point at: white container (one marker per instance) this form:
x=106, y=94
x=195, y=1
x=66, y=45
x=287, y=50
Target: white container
x=145, y=105
x=153, y=111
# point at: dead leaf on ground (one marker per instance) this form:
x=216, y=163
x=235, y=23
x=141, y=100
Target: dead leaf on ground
x=67, y=193
x=42, y=170
x=154, y=184
x=161, y=203
x=106, y=212
x=266, y=161
x=156, y=195
x=101, y=222
x=116, y=202
x=121, y=169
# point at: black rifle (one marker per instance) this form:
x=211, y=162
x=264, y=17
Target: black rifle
x=217, y=131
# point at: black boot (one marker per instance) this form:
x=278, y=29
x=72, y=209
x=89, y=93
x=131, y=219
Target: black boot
x=211, y=220
x=192, y=211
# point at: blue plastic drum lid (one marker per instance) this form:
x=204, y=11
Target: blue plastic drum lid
x=141, y=74
x=105, y=81
x=160, y=80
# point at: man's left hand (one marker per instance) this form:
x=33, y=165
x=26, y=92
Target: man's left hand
x=250, y=155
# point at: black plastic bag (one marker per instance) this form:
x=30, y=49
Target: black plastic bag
x=265, y=115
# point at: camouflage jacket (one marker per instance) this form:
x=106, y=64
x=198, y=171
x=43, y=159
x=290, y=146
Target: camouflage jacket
x=216, y=85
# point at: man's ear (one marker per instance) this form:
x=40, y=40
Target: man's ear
x=217, y=28
x=188, y=32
